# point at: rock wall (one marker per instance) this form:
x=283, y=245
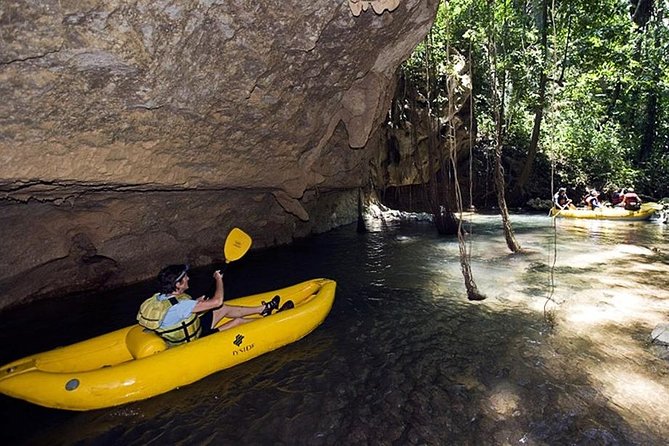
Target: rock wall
x=137, y=133
x=417, y=141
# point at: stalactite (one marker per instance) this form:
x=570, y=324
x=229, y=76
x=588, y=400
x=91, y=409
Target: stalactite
x=361, y=229
x=378, y=6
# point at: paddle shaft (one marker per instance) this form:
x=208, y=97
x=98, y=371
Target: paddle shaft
x=236, y=246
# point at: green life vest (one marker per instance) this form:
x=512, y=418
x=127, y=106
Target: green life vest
x=151, y=314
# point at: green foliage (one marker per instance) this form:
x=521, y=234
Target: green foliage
x=655, y=177
x=605, y=121
x=590, y=153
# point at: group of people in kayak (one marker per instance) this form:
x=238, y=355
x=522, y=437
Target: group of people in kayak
x=625, y=198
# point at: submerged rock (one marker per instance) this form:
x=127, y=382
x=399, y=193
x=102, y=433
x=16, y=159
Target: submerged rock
x=660, y=334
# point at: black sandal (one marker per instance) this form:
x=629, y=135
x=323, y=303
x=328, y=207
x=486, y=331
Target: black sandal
x=270, y=306
x=287, y=306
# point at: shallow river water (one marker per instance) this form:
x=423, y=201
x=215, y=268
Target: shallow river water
x=558, y=353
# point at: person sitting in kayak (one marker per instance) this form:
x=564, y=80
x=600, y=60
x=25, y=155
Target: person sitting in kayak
x=560, y=199
x=178, y=318
x=592, y=201
x=617, y=197
x=631, y=200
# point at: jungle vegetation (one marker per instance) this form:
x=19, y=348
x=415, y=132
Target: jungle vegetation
x=570, y=93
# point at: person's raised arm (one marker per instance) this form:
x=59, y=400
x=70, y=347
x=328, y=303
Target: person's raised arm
x=204, y=304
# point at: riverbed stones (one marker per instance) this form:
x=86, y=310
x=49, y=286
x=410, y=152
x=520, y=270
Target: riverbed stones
x=660, y=334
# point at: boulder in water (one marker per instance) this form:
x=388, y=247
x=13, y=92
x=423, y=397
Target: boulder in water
x=660, y=334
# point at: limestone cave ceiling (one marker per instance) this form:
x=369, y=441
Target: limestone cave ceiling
x=135, y=133
x=192, y=94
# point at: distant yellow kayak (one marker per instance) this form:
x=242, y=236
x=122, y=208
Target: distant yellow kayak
x=609, y=213
x=132, y=364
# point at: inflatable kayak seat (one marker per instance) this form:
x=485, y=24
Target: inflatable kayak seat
x=142, y=342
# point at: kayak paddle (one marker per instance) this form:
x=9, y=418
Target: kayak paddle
x=236, y=245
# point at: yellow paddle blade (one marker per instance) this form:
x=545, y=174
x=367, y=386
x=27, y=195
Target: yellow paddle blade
x=236, y=245
x=652, y=205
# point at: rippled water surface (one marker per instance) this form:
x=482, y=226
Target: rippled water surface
x=558, y=353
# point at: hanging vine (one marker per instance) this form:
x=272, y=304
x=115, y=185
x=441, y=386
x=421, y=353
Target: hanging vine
x=498, y=104
x=465, y=254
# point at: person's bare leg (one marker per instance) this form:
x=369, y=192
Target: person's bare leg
x=234, y=313
x=233, y=323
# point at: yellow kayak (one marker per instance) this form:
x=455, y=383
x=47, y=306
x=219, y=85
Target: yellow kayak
x=132, y=364
x=609, y=213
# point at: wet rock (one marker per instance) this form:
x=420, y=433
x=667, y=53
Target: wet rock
x=154, y=129
x=660, y=334
x=504, y=401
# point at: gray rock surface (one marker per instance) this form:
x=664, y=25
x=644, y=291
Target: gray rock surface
x=134, y=134
x=660, y=334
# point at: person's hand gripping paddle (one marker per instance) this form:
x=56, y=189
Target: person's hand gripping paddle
x=236, y=245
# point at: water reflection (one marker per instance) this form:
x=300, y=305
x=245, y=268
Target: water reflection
x=404, y=358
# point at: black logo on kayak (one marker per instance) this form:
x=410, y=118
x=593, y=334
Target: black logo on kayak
x=238, y=340
x=245, y=349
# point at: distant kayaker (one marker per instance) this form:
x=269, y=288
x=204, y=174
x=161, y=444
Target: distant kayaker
x=178, y=318
x=631, y=200
x=617, y=197
x=591, y=200
x=560, y=199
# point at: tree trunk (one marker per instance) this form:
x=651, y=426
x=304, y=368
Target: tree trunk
x=614, y=100
x=499, y=112
x=650, y=125
x=524, y=176
x=539, y=107
x=511, y=241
